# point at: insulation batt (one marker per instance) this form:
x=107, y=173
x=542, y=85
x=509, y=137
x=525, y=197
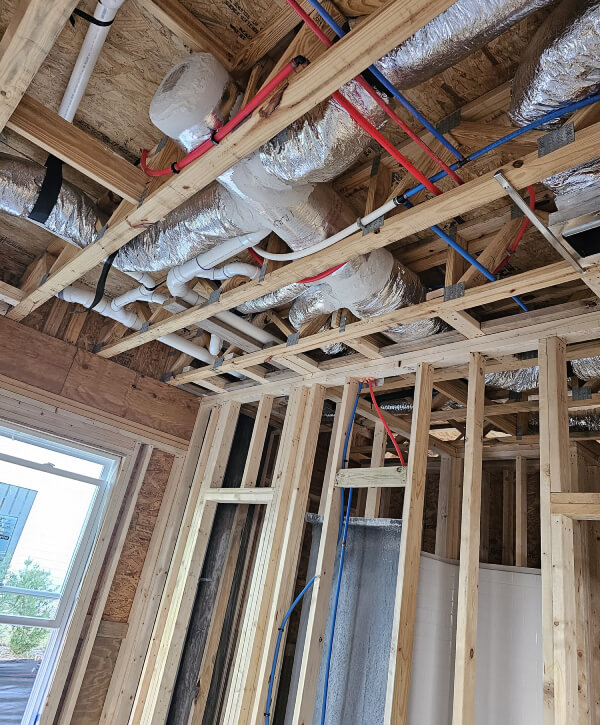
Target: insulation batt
x=74, y=218
x=561, y=66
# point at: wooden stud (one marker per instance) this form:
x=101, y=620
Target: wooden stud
x=319, y=601
x=463, y=711
x=521, y=512
x=447, y=536
x=398, y=685
x=273, y=577
x=558, y=579
x=508, y=517
x=248, y=482
x=484, y=527
x=373, y=502
x=160, y=669
x=578, y=506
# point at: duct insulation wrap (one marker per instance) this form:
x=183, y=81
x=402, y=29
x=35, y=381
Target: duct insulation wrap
x=516, y=380
x=280, y=181
x=74, y=218
x=583, y=422
x=206, y=219
x=369, y=285
x=464, y=27
x=586, y=368
x=561, y=66
x=272, y=300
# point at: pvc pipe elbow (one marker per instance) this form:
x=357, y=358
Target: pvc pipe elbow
x=215, y=344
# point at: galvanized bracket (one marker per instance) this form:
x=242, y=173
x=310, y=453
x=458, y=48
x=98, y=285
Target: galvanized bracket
x=292, y=339
x=454, y=291
x=142, y=197
x=556, y=139
x=516, y=212
x=343, y=319
x=582, y=393
x=373, y=226
x=100, y=232
x=166, y=377
x=214, y=296
x=98, y=347
x=145, y=327
x=561, y=246
x=218, y=362
x=263, y=271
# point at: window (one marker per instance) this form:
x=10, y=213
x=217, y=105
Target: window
x=52, y=497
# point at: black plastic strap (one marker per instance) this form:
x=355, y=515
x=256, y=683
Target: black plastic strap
x=49, y=191
x=174, y=168
x=90, y=19
x=108, y=263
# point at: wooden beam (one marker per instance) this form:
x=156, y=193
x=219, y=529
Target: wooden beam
x=374, y=495
x=78, y=149
x=458, y=391
x=398, y=685
x=463, y=712
x=390, y=477
x=467, y=197
x=186, y=26
x=11, y=295
x=240, y=495
x=579, y=506
x=521, y=511
x=558, y=576
x=27, y=40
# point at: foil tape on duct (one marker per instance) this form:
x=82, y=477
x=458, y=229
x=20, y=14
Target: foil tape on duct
x=206, y=219
x=464, y=27
x=561, y=66
x=74, y=218
x=516, y=380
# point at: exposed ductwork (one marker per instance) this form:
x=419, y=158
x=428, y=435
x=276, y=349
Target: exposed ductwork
x=561, y=66
x=282, y=186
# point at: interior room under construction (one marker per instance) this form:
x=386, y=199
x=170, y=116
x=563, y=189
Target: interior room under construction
x=300, y=362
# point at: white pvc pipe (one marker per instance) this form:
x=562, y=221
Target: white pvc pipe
x=145, y=279
x=130, y=319
x=90, y=50
x=330, y=241
x=139, y=294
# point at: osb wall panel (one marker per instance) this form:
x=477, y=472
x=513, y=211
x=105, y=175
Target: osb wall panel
x=60, y=368
x=137, y=541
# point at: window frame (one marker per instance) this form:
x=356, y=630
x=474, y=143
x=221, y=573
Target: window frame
x=112, y=465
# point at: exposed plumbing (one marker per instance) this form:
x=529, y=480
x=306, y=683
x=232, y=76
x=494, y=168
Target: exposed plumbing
x=115, y=309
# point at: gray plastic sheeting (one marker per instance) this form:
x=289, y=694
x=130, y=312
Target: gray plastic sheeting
x=358, y=677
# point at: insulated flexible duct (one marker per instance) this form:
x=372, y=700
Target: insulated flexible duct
x=368, y=286
x=561, y=66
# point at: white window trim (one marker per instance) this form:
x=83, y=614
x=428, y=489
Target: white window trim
x=85, y=546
